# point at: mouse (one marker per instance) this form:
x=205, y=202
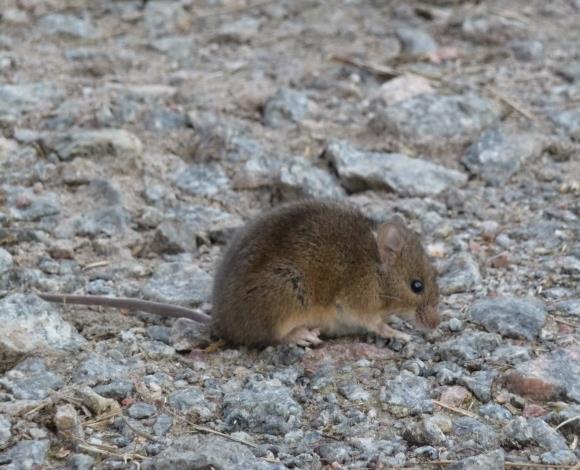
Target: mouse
x=320, y=268
x=309, y=269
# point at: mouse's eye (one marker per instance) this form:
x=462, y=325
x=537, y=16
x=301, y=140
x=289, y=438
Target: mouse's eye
x=417, y=286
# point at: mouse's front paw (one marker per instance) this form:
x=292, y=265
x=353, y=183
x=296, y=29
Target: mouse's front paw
x=385, y=331
x=303, y=336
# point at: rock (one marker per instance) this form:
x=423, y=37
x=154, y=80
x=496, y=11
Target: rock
x=26, y=205
x=141, y=410
x=237, y=31
x=262, y=406
x=31, y=325
x=416, y=41
x=67, y=422
x=298, y=178
x=203, y=179
x=518, y=433
x=5, y=431
x=25, y=455
x=511, y=354
x=335, y=452
x=117, y=389
x=406, y=395
x=432, y=122
x=256, y=172
x=569, y=120
x=459, y=274
x=402, y=88
x=199, y=452
x=6, y=262
x=425, y=432
x=469, y=346
x=354, y=392
x=479, y=383
x=100, y=369
x=26, y=97
x=547, y=437
x=493, y=460
x=286, y=106
x=471, y=434
x=492, y=29
x=30, y=380
x=406, y=176
x=179, y=283
x=454, y=395
x=191, y=401
x=67, y=25
x=81, y=462
x=558, y=417
x=162, y=425
x=559, y=457
x=528, y=51
x=549, y=377
x=495, y=412
x=511, y=317
x=187, y=334
x=95, y=144
x=498, y=155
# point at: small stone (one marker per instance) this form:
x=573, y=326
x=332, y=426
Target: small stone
x=286, y=106
x=498, y=155
x=493, y=460
x=5, y=430
x=569, y=120
x=31, y=325
x=528, y=51
x=354, y=392
x=402, y=88
x=454, y=395
x=510, y=316
x=500, y=260
x=335, y=452
x=298, y=179
x=558, y=417
x=492, y=29
x=67, y=25
x=141, y=410
x=432, y=122
x=203, y=179
x=469, y=346
x=67, y=421
x=23, y=98
x=96, y=402
x=80, y=171
x=262, y=406
x=81, y=462
x=511, y=354
x=179, y=283
x=192, y=401
x=518, y=433
x=473, y=434
x=495, y=412
x=30, y=380
x=6, y=262
x=187, y=334
x=455, y=325
x=559, y=457
x=359, y=170
x=117, y=389
x=479, y=383
x=416, y=41
x=532, y=410
x=100, y=369
x=545, y=436
x=406, y=395
x=25, y=205
x=548, y=377
x=162, y=425
x=256, y=172
x=238, y=31
x=459, y=274
x=26, y=455
x=569, y=307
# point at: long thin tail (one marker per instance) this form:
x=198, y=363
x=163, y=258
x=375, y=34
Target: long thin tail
x=156, y=308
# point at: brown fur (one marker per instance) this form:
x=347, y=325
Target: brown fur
x=316, y=264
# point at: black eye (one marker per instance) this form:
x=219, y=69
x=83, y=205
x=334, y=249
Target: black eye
x=417, y=286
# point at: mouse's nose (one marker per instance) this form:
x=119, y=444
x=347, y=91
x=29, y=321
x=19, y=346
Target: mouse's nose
x=430, y=316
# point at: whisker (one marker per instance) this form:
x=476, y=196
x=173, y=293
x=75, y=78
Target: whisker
x=390, y=297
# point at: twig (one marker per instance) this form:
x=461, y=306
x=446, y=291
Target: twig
x=381, y=70
x=564, y=423
x=512, y=104
x=197, y=427
x=107, y=450
x=96, y=264
x=456, y=410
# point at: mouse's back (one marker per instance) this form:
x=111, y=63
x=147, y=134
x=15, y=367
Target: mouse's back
x=293, y=257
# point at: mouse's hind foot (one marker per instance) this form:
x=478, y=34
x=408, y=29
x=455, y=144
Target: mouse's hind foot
x=303, y=336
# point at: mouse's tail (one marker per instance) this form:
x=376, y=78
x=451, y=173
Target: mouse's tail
x=156, y=308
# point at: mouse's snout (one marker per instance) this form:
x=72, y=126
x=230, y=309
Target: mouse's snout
x=429, y=316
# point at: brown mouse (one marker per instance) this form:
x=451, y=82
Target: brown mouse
x=306, y=269
x=311, y=268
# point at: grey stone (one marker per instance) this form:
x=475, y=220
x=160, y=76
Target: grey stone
x=416, y=41
x=425, y=432
x=117, y=389
x=455, y=325
x=493, y=460
x=511, y=354
x=67, y=25
x=109, y=221
x=5, y=430
x=237, y=31
x=559, y=457
x=284, y=107
x=262, y=406
x=406, y=395
x=100, y=369
x=298, y=178
x=354, y=392
x=545, y=436
x=459, y=274
x=26, y=97
x=518, y=433
x=492, y=29
x=570, y=265
x=141, y=410
x=30, y=325
x=95, y=144
x=469, y=346
x=528, y=51
x=479, y=383
x=498, y=155
x=472, y=434
x=192, y=401
x=495, y=412
x=200, y=452
x=335, y=452
x=258, y=171
x=26, y=205
x=6, y=262
x=187, y=334
x=162, y=425
x=179, y=283
x=25, y=455
x=359, y=170
x=30, y=380
x=164, y=18
x=81, y=462
x=430, y=122
x=510, y=316
x=203, y=179
x=558, y=417
x=159, y=333
x=569, y=120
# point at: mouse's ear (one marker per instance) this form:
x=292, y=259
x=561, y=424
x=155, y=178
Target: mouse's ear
x=391, y=238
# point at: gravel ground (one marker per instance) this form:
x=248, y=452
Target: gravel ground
x=136, y=136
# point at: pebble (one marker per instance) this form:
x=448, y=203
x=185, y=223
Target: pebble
x=359, y=170
x=201, y=179
x=179, y=283
x=559, y=457
x=141, y=410
x=474, y=435
x=479, y=383
x=469, y=346
x=495, y=412
x=116, y=389
x=26, y=454
x=67, y=25
x=510, y=316
x=30, y=380
x=191, y=401
x=162, y=425
x=298, y=178
x=81, y=462
x=459, y=274
x=285, y=107
x=402, y=88
x=493, y=460
x=455, y=325
x=31, y=325
x=5, y=430
x=416, y=41
x=406, y=395
x=6, y=261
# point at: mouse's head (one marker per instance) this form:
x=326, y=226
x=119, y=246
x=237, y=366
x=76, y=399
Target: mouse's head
x=409, y=279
